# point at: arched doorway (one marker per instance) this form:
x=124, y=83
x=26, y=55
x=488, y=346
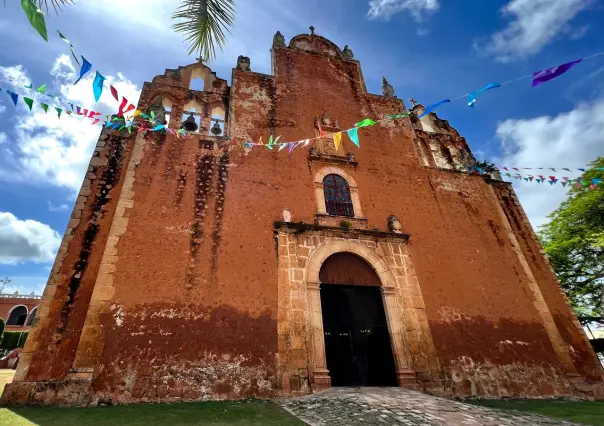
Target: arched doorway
x=357, y=341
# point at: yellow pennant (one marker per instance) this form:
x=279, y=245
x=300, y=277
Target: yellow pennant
x=337, y=139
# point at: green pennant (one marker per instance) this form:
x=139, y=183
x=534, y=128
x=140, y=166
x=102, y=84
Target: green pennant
x=365, y=123
x=44, y=107
x=28, y=101
x=30, y=86
x=42, y=88
x=36, y=17
x=59, y=111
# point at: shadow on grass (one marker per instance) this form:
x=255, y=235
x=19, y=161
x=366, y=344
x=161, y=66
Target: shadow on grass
x=587, y=412
x=202, y=413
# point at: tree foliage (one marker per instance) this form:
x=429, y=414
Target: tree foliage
x=574, y=243
x=203, y=22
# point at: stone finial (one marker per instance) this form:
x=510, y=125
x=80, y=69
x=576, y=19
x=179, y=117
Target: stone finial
x=312, y=30
x=394, y=225
x=413, y=101
x=347, y=52
x=243, y=63
x=287, y=215
x=278, y=40
x=158, y=110
x=387, y=89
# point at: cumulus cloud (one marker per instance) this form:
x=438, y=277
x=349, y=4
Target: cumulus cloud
x=3, y=138
x=49, y=150
x=26, y=240
x=572, y=139
x=533, y=25
x=59, y=208
x=385, y=9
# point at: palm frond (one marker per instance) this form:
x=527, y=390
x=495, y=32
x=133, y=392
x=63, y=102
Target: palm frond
x=56, y=4
x=204, y=23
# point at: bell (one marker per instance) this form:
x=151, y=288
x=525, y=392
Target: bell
x=216, y=130
x=189, y=124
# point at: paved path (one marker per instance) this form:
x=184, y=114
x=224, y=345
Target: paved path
x=398, y=406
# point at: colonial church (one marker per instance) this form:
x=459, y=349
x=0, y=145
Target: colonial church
x=201, y=268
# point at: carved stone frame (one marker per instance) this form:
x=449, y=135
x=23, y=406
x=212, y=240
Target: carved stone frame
x=318, y=365
x=352, y=186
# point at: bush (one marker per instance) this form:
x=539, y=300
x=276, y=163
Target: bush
x=13, y=339
x=1, y=328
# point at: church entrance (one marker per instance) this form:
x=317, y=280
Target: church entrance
x=357, y=342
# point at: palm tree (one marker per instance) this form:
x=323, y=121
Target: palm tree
x=203, y=22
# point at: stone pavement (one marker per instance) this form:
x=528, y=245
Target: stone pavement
x=398, y=406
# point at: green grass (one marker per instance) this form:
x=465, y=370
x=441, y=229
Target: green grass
x=249, y=412
x=201, y=413
x=587, y=412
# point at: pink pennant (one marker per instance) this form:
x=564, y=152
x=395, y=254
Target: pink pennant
x=114, y=93
x=552, y=178
x=122, y=106
x=95, y=121
x=515, y=168
x=130, y=108
x=291, y=147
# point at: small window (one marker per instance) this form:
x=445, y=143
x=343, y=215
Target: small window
x=337, y=196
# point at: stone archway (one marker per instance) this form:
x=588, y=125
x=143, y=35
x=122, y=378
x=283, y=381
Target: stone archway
x=319, y=373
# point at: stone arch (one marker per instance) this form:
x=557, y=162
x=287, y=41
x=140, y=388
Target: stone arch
x=352, y=186
x=15, y=313
x=32, y=316
x=318, y=360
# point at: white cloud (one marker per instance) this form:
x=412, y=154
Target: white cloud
x=26, y=240
x=2, y=109
x=572, y=140
x=385, y=9
x=59, y=208
x=3, y=138
x=16, y=76
x=534, y=24
x=25, y=284
x=49, y=150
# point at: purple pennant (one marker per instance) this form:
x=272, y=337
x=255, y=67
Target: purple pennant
x=548, y=74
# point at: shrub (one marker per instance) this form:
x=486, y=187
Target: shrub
x=1, y=328
x=13, y=339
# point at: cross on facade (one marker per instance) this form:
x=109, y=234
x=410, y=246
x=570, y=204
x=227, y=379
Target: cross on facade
x=413, y=101
x=312, y=30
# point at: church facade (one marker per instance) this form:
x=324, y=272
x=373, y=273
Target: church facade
x=199, y=268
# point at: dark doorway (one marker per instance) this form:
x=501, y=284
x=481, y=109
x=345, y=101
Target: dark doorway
x=357, y=342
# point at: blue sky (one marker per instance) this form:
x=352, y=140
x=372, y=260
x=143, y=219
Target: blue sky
x=428, y=49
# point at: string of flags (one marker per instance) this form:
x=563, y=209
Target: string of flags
x=552, y=180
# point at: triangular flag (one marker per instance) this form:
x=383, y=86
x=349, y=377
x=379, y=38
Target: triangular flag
x=596, y=181
x=552, y=177
x=44, y=107
x=97, y=86
x=13, y=96
x=526, y=179
x=59, y=111
x=553, y=170
x=86, y=66
x=41, y=89
x=506, y=169
x=122, y=106
x=551, y=182
x=472, y=96
x=507, y=174
x=551, y=73
x=568, y=170
x=96, y=120
x=337, y=139
x=35, y=16
x=564, y=183
x=583, y=170
x=432, y=107
x=531, y=178
x=28, y=101
x=130, y=108
x=353, y=134
x=365, y=123
x=515, y=168
x=538, y=180
x=281, y=146
x=78, y=110
x=114, y=93
x=565, y=179
x=541, y=176
x=292, y=145
x=29, y=86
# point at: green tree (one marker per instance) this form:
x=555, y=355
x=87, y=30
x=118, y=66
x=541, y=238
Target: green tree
x=574, y=243
x=203, y=22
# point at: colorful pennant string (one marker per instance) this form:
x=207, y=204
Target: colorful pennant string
x=432, y=107
x=86, y=66
x=548, y=74
x=472, y=96
x=71, y=47
x=97, y=86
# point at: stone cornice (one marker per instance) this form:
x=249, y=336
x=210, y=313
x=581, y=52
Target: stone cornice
x=300, y=227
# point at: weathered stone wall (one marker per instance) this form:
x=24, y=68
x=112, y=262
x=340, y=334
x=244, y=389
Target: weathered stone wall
x=170, y=283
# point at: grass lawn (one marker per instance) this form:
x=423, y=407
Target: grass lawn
x=587, y=412
x=249, y=412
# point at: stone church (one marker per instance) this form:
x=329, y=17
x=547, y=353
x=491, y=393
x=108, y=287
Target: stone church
x=196, y=268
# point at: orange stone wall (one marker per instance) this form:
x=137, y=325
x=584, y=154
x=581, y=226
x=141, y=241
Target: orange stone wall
x=172, y=284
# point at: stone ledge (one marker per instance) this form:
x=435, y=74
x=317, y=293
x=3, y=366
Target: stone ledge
x=63, y=393
x=300, y=227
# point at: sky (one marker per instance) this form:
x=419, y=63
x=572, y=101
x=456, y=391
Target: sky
x=427, y=49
